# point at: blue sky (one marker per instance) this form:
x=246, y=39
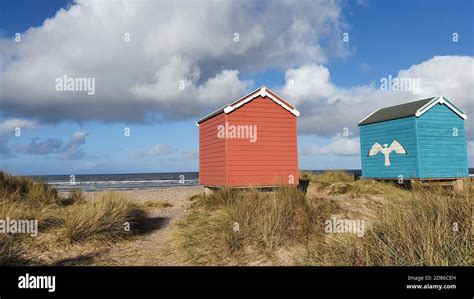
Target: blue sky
x=84, y=136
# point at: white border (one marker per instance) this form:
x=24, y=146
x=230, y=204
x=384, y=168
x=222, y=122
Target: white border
x=197, y=123
x=368, y=116
x=263, y=93
x=439, y=100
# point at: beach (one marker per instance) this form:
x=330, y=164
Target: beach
x=172, y=194
x=155, y=247
x=151, y=248
x=179, y=225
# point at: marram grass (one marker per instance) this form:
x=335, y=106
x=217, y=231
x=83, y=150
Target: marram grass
x=108, y=216
x=237, y=226
x=421, y=226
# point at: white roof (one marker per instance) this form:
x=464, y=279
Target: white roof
x=440, y=100
x=260, y=92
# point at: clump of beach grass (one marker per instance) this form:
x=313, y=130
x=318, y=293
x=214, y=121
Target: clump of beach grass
x=23, y=189
x=236, y=226
x=12, y=245
x=194, y=197
x=47, y=216
x=423, y=226
x=327, y=178
x=158, y=204
x=75, y=197
x=340, y=182
x=24, y=198
x=108, y=216
x=10, y=251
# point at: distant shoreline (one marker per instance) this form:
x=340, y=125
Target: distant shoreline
x=470, y=169
x=137, y=181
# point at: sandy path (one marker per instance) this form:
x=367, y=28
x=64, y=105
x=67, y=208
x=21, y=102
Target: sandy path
x=156, y=246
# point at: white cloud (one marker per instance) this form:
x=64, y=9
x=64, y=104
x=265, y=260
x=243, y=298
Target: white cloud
x=155, y=151
x=169, y=41
x=340, y=146
x=308, y=83
x=364, y=3
x=176, y=86
x=449, y=76
x=328, y=109
x=37, y=147
x=225, y=85
x=365, y=67
x=190, y=155
x=9, y=128
x=72, y=150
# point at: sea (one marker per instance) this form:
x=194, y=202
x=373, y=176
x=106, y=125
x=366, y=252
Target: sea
x=135, y=181
x=121, y=181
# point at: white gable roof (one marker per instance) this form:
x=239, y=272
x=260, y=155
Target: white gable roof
x=440, y=100
x=263, y=93
x=416, y=108
x=260, y=92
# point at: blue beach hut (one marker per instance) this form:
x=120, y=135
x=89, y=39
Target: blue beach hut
x=424, y=139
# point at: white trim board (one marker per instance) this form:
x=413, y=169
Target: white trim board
x=368, y=116
x=439, y=100
x=263, y=93
x=420, y=111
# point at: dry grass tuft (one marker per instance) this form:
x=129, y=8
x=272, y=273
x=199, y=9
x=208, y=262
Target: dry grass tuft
x=105, y=217
x=10, y=251
x=75, y=197
x=236, y=226
x=423, y=226
x=327, y=178
x=156, y=204
x=23, y=189
x=194, y=197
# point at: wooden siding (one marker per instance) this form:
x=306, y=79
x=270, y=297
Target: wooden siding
x=212, y=158
x=441, y=155
x=273, y=157
x=402, y=130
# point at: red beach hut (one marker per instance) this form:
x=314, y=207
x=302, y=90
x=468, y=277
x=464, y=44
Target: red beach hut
x=250, y=142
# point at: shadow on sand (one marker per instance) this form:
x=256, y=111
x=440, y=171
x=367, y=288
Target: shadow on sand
x=84, y=260
x=152, y=224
